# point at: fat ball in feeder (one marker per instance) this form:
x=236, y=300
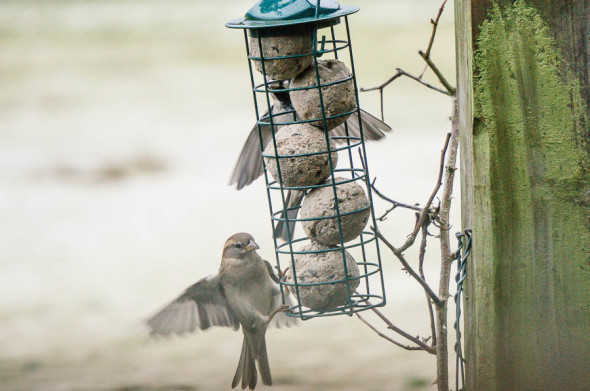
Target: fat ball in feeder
x=337, y=96
x=321, y=278
x=309, y=164
x=268, y=25
x=286, y=53
x=320, y=214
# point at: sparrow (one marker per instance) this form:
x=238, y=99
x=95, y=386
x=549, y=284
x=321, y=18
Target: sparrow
x=244, y=292
x=249, y=166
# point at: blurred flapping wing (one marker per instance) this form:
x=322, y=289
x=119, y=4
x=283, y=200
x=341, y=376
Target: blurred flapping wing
x=249, y=165
x=201, y=306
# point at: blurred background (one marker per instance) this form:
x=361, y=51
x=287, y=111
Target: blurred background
x=120, y=123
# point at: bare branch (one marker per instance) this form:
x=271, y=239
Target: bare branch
x=383, y=217
x=394, y=203
x=393, y=327
x=434, y=26
x=445, y=206
x=419, y=80
x=442, y=364
x=421, y=255
x=408, y=268
x=381, y=100
x=424, y=212
x=450, y=91
x=441, y=78
x=379, y=333
x=384, y=84
x=401, y=72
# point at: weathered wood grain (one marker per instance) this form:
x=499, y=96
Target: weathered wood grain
x=525, y=159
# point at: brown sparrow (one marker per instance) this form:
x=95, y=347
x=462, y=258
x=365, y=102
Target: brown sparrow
x=244, y=292
x=249, y=166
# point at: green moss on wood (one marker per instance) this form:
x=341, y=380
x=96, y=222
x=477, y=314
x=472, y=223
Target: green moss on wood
x=532, y=174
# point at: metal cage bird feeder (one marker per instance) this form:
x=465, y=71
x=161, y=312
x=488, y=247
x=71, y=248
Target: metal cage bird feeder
x=307, y=91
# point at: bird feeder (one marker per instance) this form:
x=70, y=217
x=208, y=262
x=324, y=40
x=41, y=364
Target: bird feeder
x=298, y=63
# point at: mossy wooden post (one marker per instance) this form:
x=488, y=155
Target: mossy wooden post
x=523, y=95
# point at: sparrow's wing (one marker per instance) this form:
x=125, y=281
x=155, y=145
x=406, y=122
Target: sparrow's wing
x=201, y=306
x=294, y=198
x=249, y=166
x=280, y=319
x=373, y=127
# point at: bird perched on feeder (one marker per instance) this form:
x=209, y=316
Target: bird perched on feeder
x=244, y=292
x=249, y=166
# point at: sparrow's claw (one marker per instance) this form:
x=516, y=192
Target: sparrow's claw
x=284, y=273
x=282, y=308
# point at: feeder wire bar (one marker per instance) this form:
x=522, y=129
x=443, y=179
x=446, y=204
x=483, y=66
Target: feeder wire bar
x=357, y=300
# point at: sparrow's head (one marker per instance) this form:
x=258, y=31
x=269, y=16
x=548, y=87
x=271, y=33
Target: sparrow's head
x=239, y=245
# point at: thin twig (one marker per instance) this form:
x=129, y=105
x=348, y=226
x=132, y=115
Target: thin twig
x=408, y=268
x=383, y=217
x=424, y=212
x=434, y=27
x=384, y=84
x=439, y=75
x=419, y=80
x=401, y=72
x=393, y=327
x=379, y=333
x=394, y=203
x=426, y=56
x=381, y=100
x=421, y=255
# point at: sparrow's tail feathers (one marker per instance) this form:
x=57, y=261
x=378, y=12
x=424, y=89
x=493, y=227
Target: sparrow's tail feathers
x=263, y=366
x=294, y=198
x=373, y=128
x=240, y=369
x=246, y=371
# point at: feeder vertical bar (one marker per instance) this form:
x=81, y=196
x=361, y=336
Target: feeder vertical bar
x=259, y=127
x=334, y=42
x=366, y=166
x=280, y=179
x=331, y=163
x=262, y=147
x=351, y=162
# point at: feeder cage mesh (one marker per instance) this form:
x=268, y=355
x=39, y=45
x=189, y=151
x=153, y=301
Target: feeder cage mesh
x=340, y=275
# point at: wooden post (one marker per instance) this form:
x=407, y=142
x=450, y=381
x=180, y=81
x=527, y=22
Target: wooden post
x=523, y=95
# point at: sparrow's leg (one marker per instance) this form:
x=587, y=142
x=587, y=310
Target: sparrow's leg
x=263, y=321
x=281, y=308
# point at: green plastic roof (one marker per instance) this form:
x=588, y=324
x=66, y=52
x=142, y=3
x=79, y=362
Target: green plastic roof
x=274, y=13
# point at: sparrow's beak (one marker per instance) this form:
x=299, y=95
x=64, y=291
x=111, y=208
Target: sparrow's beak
x=251, y=246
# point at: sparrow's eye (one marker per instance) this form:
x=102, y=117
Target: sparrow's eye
x=239, y=245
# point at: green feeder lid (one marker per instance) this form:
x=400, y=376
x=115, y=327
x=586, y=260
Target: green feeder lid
x=275, y=13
